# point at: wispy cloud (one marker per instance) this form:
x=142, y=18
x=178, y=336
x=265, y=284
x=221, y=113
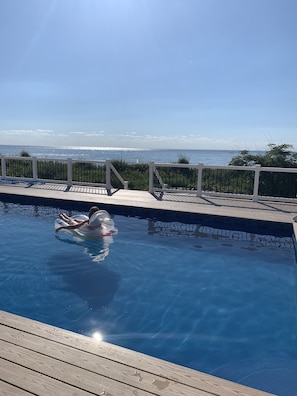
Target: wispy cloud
x=77, y=133
x=27, y=132
x=87, y=133
x=95, y=134
x=49, y=131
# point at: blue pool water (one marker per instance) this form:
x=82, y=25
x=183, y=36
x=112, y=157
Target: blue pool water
x=219, y=301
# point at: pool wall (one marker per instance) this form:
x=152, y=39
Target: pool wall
x=280, y=229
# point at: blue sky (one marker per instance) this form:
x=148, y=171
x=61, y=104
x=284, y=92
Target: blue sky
x=201, y=74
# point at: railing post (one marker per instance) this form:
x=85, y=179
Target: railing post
x=3, y=166
x=69, y=172
x=151, y=177
x=256, y=182
x=34, y=168
x=199, y=180
x=108, y=175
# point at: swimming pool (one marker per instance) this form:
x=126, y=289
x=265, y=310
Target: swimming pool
x=217, y=300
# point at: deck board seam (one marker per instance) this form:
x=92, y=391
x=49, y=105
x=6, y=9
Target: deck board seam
x=191, y=387
x=45, y=376
x=80, y=367
x=48, y=333
x=83, y=369
x=18, y=387
x=94, y=355
x=49, y=376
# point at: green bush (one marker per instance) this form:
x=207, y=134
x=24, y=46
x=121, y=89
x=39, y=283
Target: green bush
x=273, y=183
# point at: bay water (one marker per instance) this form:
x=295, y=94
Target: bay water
x=129, y=155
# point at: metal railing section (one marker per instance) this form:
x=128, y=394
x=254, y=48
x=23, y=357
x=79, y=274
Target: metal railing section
x=252, y=182
x=71, y=172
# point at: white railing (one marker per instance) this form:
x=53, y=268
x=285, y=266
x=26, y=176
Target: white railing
x=203, y=180
x=252, y=182
x=68, y=171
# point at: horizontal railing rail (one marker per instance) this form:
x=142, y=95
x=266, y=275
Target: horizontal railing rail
x=99, y=173
x=252, y=182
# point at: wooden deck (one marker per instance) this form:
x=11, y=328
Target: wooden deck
x=38, y=359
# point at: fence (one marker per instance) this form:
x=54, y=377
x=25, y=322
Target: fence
x=253, y=182
x=68, y=171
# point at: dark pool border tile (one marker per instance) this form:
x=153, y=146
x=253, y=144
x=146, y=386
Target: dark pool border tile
x=215, y=221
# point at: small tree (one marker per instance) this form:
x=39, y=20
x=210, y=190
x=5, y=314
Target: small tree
x=24, y=153
x=280, y=156
x=273, y=183
x=183, y=160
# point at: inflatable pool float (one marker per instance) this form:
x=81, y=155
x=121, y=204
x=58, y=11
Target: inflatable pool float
x=99, y=225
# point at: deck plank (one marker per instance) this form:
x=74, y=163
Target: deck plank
x=8, y=390
x=92, y=363
x=86, y=364
x=35, y=383
x=68, y=373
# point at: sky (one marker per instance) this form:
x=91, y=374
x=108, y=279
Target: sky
x=190, y=74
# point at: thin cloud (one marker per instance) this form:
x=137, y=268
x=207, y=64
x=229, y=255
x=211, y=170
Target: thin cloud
x=12, y=132
x=28, y=132
x=76, y=133
x=95, y=134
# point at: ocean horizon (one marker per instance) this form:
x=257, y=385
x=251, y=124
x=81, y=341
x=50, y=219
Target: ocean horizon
x=129, y=155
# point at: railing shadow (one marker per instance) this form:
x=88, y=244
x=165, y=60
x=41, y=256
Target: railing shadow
x=239, y=203
x=86, y=189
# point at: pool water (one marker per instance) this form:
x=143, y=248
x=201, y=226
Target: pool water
x=219, y=301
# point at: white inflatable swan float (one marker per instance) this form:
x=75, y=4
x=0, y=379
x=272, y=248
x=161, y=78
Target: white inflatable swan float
x=100, y=224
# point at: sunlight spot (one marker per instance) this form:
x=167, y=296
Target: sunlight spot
x=97, y=336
